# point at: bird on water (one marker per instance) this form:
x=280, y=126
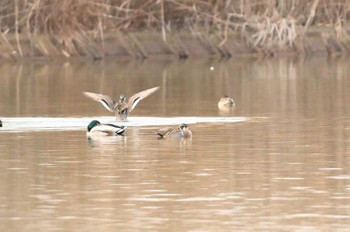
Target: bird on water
x=123, y=107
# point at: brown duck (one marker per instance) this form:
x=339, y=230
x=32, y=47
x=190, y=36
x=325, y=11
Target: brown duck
x=177, y=133
x=226, y=103
x=123, y=107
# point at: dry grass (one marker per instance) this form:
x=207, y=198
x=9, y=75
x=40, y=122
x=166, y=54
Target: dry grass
x=264, y=24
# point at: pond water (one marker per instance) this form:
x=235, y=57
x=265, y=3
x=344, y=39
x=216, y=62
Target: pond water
x=280, y=161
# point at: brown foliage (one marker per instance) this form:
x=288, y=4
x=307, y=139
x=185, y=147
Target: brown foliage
x=263, y=23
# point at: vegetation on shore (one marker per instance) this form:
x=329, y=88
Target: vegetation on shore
x=65, y=27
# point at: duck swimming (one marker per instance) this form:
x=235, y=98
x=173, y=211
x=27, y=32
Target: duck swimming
x=226, y=103
x=95, y=128
x=181, y=132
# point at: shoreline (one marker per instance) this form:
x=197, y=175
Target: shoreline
x=99, y=29
x=181, y=45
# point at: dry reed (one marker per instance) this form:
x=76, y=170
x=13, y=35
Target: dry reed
x=72, y=25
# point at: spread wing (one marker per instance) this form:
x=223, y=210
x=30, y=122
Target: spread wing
x=105, y=100
x=137, y=97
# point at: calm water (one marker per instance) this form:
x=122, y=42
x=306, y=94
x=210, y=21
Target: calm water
x=279, y=162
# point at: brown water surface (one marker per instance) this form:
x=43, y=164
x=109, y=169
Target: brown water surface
x=284, y=167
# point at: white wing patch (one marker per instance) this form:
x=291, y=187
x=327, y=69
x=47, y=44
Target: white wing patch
x=105, y=104
x=136, y=101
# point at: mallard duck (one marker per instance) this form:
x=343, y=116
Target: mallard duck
x=226, y=103
x=95, y=128
x=181, y=132
x=123, y=107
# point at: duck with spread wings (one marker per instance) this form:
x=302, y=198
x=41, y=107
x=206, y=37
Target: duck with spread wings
x=123, y=107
